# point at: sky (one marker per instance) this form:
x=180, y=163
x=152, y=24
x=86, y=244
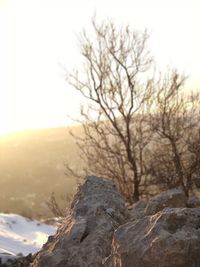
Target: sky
x=39, y=42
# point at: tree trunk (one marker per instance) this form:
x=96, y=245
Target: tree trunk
x=136, y=194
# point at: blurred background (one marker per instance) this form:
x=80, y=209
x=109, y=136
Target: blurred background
x=39, y=44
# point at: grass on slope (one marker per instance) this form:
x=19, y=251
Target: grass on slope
x=32, y=166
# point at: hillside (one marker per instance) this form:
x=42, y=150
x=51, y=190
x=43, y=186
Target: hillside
x=32, y=166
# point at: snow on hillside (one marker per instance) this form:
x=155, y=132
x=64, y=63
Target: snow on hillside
x=22, y=235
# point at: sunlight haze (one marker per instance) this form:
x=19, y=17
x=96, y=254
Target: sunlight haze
x=39, y=42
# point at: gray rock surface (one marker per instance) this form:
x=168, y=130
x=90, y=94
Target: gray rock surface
x=137, y=210
x=99, y=231
x=84, y=238
x=193, y=201
x=170, y=238
x=173, y=198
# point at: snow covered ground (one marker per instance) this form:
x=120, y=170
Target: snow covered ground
x=22, y=235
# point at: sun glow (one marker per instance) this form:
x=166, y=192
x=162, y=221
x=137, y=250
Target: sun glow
x=40, y=36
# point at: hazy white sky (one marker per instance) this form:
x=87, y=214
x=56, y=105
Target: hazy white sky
x=37, y=37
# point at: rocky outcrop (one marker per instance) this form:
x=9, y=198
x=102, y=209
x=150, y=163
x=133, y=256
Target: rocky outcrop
x=170, y=238
x=85, y=236
x=137, y=210
x=173, y=198
x=193, y=201
x=100, y=232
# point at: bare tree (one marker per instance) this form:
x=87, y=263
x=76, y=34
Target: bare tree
x=54, y=207
x=175, y=156
x=117, y=82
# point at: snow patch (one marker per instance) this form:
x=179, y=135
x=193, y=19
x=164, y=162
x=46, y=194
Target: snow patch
x=19, y=235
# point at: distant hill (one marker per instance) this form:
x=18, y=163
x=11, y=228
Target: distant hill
x=32, y=166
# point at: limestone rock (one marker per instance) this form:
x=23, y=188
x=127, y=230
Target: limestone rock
x=193, y=201
x=173, y=198
x=170, y=238
x=84, y=238
x=137, y=210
